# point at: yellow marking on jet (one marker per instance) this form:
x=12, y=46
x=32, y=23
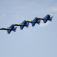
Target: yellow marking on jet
x=18, y=24
x=28, y=20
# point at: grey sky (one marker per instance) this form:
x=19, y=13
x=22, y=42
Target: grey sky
x=38, y=41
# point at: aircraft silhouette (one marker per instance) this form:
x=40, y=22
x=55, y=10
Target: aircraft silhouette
x=9, y=29
x=34, y=21
x=47, y=18
x=25, y=23
x=37, y=20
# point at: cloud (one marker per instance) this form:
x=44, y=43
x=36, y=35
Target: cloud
x=53, y=9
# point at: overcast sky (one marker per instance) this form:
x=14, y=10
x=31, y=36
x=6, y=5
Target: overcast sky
x=37, y=41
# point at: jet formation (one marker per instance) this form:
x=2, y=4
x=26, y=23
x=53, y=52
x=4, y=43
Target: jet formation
x=25, y=23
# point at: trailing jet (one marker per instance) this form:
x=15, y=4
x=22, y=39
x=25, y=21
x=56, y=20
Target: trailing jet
x=33, y=22
x=9, y=29
x=23, y=24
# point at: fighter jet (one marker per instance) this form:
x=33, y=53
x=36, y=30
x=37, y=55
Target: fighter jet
x=47, y=18
x=9, y=29
x=23, y=24
x=34, y=21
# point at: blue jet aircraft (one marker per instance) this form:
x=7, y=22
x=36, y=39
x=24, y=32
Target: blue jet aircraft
x=23, y=24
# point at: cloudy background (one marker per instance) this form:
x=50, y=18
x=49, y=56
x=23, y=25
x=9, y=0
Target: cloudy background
x=38, y=41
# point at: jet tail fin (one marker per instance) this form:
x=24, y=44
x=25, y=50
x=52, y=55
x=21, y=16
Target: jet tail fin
x=14, y=29
x=27, y=24
x=34, y=21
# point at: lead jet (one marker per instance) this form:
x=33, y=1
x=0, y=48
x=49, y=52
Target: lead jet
x=47, y=18
x=9, y=29
x=37, y=20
